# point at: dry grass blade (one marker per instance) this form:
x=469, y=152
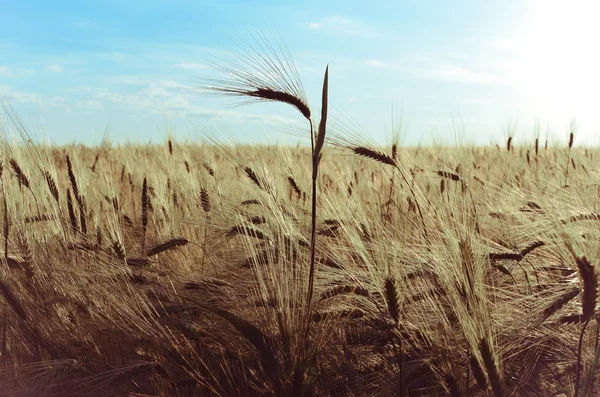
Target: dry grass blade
x=27, y=253
x=560, y=302
x=207, y=282
x=98, y=237
x=344, y=289
x=12, y=299
x=531, y=247
x=167, y=245
x=247, y=231
x=254, y=335
x=468, y=262
x=323, y=123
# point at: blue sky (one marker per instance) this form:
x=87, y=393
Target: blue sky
x=476, y=67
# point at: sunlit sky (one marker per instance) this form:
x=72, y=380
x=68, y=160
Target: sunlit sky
x=482, y=68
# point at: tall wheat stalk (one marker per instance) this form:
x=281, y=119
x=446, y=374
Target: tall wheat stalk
x=272, y=77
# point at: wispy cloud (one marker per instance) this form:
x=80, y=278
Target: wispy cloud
x=33, y=98
x=54, y=68
x=173, y=99
x=442, y=69
x=191, y=65
x=342, y=26
x=375, y=63
x=6, y=72
x=460, y=75
x=89, y=104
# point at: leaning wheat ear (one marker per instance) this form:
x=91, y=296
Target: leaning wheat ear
x=261, y=73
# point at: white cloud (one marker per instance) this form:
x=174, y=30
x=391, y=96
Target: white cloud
x=191, y=65
x=33, y=98
x=81, y=88
x=89, y=104
x=461, y=75
x=344, y=27
x=5, y=72
x=429, y=67
x=375, y=63
x=54, y=68
x=171, y=84
x=167, y=98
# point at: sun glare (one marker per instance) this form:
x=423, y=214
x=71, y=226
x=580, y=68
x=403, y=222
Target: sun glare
x=556, y=73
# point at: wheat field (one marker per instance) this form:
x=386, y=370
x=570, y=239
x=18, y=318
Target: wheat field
x=338, y=269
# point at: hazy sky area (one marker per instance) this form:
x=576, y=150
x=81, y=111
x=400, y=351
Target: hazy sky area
x=72, y=68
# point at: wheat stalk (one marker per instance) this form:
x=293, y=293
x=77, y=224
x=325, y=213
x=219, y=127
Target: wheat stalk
x=145, y=201
x=71, y=210
x=492, y=368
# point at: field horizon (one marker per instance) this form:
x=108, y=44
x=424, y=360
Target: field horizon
x=183, y=270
